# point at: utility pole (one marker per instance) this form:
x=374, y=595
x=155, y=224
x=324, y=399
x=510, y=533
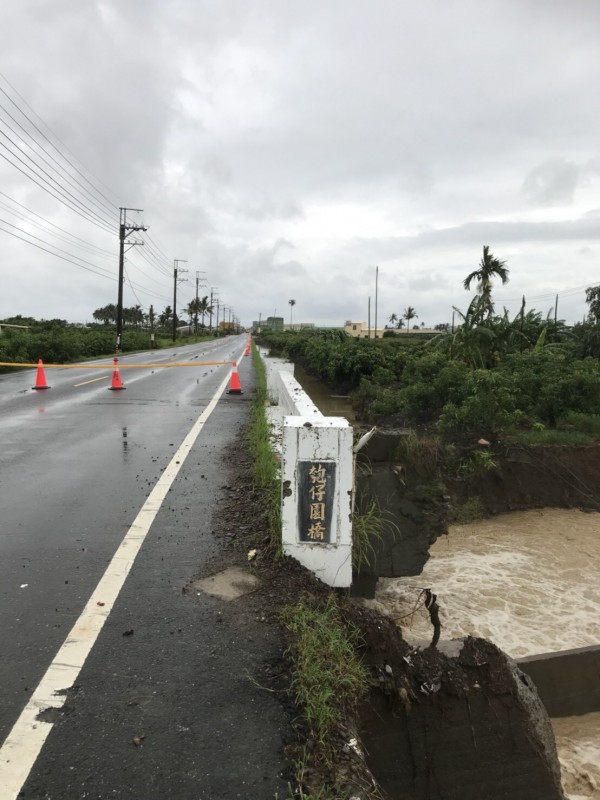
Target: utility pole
x=202, y=281
x=124, y=231
x=176, y=261
x=213, y=298
x=151, y=322
x=376, y=287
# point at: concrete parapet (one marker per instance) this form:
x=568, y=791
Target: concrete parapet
x=316, y=477
x=568, y=681
x=291, y=397
x=316, y=508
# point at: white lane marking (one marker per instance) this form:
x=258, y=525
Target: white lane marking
x=25, y=741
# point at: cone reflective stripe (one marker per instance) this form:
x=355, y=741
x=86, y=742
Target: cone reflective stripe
x=117, y=383
x=40, y=378
x=234, y=383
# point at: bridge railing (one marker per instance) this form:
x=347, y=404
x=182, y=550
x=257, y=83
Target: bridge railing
x=316, y=478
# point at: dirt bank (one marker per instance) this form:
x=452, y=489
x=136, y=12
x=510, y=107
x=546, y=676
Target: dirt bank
x=535, y=477
x=475, y=695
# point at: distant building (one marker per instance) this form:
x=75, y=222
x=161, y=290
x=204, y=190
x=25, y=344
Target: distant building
x=298, y=326
x=273, y=324
x=360, y=330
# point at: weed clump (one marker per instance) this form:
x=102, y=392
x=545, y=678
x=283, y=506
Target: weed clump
x=329, y=678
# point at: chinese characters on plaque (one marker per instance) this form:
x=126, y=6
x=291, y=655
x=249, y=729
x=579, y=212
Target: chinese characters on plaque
x=316, y=485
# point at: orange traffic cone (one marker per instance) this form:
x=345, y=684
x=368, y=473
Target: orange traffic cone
x=247, y=353
x=234, y=383
x=117, y=383
x=40, y=378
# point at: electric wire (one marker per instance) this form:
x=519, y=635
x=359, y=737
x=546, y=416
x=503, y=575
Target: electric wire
x=92, y=215
x=54, y=225
x=85, y=246
x=5, y=79
x=73, y=182
x=570, y=292
x=152, y=253
x=76, y=210
x=130, y=260
x=52, y=253
x=69, y=257
x=162, y=262
x=156, y=265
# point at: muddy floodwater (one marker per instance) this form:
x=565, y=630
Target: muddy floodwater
x=528, y=581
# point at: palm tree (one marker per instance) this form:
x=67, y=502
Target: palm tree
x=106, y=314
x=409, y=313
x=165, y=317
x=137, y=315
x=292, y=304
x=392, y=319
x=193, y=309
x=205, y=308
x=489, y=267
x=400, y=323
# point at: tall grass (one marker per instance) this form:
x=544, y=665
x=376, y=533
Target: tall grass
x=265, y=468
x=329, y=678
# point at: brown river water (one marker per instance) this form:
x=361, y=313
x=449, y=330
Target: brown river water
x=528, y=581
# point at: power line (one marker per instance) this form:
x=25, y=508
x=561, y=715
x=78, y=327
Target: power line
x=51, y=193
x=52, y=253
x=54, y=225
x=550, y=295
x=169, y=260
x=73, y=182
x=80, y=243
x=147, y=277
x=5, y=79
x=152, y=261
x=52, y=182
x=80, y=262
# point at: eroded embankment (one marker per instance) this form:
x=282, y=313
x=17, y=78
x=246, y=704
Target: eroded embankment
x=460, y=725
x=534, y=477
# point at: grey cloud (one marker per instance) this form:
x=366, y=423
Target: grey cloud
x=232, y=124
x=552, y=182
x=431, y=282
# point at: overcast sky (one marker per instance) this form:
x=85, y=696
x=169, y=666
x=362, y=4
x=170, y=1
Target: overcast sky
x=286, y=148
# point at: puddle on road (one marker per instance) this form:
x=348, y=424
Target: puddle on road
x=227, y=585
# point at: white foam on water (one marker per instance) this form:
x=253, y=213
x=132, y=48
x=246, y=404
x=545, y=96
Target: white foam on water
x=528, y=581
x=578, y=745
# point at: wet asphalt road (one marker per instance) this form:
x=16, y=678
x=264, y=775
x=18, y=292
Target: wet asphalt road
x=76, y=464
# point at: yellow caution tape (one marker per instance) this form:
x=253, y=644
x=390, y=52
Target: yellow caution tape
x=120, y=365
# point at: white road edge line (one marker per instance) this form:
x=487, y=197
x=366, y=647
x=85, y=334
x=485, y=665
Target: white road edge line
x=23, y=744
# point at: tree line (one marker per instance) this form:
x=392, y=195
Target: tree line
x=493, y=374
x=197, y=310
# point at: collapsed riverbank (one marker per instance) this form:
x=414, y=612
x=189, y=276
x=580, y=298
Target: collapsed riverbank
x=473, y=692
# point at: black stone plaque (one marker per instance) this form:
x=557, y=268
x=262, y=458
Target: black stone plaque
x=316, y=487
